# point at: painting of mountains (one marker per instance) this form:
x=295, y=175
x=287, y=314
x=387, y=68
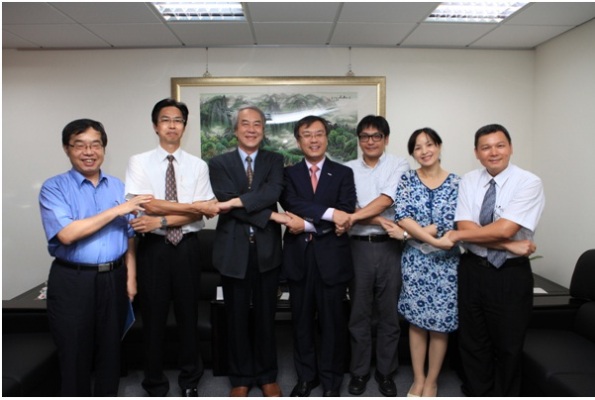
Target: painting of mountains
x=282, y=111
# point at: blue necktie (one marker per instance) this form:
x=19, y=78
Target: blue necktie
x=486, y=216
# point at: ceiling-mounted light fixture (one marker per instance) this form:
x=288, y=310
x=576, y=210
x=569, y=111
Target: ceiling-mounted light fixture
x=200, y=11
x=477, y=12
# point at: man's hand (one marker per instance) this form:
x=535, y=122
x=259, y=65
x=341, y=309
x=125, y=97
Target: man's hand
x=444, y=243
x=146, y=223
x=133, y=205
x=393, y=230
x=281, y=219
x=208, y=208
x=521, y=248
x=131, y=288
x=295, y=225
x=342, y=221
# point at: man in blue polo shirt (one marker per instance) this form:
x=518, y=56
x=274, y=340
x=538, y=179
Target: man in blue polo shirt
x=93, y=275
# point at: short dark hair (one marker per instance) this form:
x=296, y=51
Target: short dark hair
x=491, y=128
x=79, y=126
x=307, y=121
x=374, y=121
x=428, y=131
x=169, y=103
x=234, y=120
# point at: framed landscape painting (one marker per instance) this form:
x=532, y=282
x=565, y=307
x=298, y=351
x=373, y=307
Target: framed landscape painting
x=343, y=101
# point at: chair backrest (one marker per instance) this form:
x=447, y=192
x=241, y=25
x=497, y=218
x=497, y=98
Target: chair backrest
x=582, y=284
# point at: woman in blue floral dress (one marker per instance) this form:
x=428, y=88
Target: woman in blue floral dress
x=424, y=207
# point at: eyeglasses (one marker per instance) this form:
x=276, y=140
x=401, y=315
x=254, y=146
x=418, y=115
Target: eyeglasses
x=167, y=121
x=81, y=146
x=312, y=135
x=376, y=137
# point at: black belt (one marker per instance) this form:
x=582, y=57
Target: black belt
x=510, y=262
x=103, y=267
x=371, y=238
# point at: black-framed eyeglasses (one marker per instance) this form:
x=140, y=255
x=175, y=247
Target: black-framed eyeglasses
x=376, y=137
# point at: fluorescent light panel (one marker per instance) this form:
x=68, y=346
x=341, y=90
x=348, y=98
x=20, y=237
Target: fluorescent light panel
x=482, y=12
x=202, y=11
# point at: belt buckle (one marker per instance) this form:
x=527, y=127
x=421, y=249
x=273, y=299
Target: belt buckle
x=105, y=267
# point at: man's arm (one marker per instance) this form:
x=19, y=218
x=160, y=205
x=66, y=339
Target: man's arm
x=131, y=269
x=495, y=236
x=207, y=208
x=82, y=228
x=254, y=206
x=494, y=233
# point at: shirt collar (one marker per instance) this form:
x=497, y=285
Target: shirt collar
x=318, y=164
x=80, y=178
x=163, y=154
x=243, y=155
x=380, y=161
x=499, y=179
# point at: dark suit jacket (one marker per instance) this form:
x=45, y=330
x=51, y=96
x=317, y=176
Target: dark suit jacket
x=336, y=189
x=228, y=179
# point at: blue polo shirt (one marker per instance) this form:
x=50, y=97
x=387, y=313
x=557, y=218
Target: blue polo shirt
x=69, y=197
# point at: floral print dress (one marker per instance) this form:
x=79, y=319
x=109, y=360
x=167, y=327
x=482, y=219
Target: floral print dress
x=429, y=293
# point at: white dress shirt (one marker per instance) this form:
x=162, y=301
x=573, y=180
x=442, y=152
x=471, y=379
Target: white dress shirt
x=371, y=182
x=146, y=175
x=519, y=198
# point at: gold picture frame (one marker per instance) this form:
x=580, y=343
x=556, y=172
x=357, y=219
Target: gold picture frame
x=341, y=100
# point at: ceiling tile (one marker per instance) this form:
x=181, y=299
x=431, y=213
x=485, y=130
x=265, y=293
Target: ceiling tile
x=135, y=35
x=10, y=40
x=446, y=35
x=520, y=37
x=112, y=13
x=386, y=12
x=315, y=34
x=31, y=13
x=292, y=12
x=366, y=34
x=59, y=36
x=213, y=34
x=542, y=13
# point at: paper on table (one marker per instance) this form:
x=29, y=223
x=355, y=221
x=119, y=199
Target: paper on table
x=538, y=290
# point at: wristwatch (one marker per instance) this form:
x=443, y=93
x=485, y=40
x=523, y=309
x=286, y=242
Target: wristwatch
x=163, y=223
x=405, y=236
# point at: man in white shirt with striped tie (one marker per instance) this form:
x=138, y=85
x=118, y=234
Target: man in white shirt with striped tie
x=498, y=210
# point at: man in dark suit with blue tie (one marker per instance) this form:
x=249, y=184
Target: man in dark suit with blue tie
x=247, y=252
x=317, y=261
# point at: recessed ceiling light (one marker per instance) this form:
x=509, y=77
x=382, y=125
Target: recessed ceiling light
x=203, y=11
x=488, y=12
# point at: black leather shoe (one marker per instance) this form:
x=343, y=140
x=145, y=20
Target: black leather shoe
x=357, y=384
x=386, y=385
x=303, y=388
x=193, y=392
x=331, y=393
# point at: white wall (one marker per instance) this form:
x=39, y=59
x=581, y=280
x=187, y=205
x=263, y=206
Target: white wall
x=453, y=91
x=564, y=149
